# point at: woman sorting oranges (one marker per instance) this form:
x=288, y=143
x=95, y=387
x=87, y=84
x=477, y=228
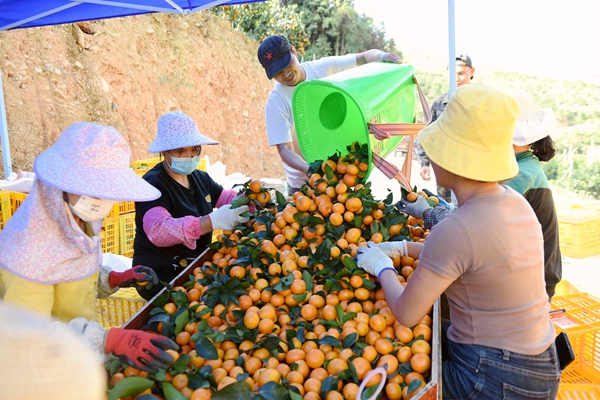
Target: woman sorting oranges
x=178, y=225
x=500, y=341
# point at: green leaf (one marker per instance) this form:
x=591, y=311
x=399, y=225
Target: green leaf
x=367, y=284
x=239, y=201
x=330, y=340
x=181, y=364
x=300, y=297
x=404, y=368
x=340, y=313
x=280, y=198
x=171, y=393
x=128, y=387
x=235, y=391
x=370, y=392
x=273, y=391
x=206, y=349
x=180, y=322
x=179, y=298
x=350, y=340
x=195, y=381
x=350, y=263
x=353, y=372
x=414, y=385
x=295, y=393
x=307, y=278
x=329, y=384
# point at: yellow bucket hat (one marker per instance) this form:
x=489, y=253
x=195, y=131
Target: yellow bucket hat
x=473, y=136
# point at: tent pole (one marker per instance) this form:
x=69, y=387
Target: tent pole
x=4, y=134
x=451, y=48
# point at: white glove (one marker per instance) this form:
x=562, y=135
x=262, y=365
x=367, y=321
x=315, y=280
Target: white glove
x=227, y=218
x=415, y=208
x=373, y=260
x=392, y=249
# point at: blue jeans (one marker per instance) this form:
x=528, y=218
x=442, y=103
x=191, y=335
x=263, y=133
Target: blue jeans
x=481, y=372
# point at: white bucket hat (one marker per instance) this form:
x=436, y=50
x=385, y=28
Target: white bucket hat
x=175, y=131
x=93, y=160
x=43, y=359
x=533, y=124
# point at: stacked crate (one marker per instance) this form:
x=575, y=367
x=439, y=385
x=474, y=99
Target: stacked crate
x=581, y=379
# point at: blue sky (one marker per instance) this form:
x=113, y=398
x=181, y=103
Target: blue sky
x=553, y=38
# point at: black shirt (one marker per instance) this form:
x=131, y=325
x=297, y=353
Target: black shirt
x=179, y=201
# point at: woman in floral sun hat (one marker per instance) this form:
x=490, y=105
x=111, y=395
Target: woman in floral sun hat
x=51, y=258
x=179, y=224
x=499, y=341
x=51, y=251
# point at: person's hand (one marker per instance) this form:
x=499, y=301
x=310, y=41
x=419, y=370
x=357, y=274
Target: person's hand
x=227, y=218
x=391, y=249
x=373, y=260
x=390, y=57
x=140, y=276
x=142, y=350
x=415, y=208
x=426, y=172
x=441, y=202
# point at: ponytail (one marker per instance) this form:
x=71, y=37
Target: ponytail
x=543, y=149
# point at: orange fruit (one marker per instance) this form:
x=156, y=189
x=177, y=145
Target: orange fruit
x=255, y=185
x=391, y=362
x=423, y=330
x=420, y=346
x=315, y=358
x=337, y=365
x=420, y=363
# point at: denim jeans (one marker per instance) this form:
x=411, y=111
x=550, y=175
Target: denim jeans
x=481, y=372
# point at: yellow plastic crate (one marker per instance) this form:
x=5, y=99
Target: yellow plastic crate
x=126, y=207
x=146, y=164
x=564, y=288
x=579, y=233
x=16, y=199
x=115, y=310
x=5, y=210
x=582, y=325
x=126, y=234
x=109, y=235
x=567, y=391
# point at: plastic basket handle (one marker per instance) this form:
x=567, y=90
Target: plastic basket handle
x=385, y=131
x=372, y=373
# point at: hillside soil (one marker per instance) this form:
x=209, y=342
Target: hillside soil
x=127, y=72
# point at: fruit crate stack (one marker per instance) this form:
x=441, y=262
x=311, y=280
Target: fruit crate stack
x=9, y=203
x=581, y=322
x=579, y=232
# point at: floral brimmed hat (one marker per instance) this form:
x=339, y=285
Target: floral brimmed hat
x=176, y=130
x=93, y=160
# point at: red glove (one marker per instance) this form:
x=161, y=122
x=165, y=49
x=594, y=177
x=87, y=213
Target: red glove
x=141, y=350
x=137, y=276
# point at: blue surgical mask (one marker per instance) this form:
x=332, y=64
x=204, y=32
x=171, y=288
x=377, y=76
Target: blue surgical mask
x=184, y=165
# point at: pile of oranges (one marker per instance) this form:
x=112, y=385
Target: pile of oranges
x=280, y=309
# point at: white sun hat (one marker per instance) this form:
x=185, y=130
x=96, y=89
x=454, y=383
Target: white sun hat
x=533, y=124
x=176, y=130
x=43, y=359
x=93, y=160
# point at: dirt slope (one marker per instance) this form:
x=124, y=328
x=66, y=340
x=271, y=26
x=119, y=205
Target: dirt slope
x=127, y=72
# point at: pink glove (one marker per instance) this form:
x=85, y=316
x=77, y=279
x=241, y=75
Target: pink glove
x=141, y=350
x=137, y=276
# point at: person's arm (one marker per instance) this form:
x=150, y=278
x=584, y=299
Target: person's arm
x=291, y=158
x=411, y=303
x=165, y=231
x=374, y=55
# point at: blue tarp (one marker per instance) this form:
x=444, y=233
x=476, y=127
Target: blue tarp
x=16, y=14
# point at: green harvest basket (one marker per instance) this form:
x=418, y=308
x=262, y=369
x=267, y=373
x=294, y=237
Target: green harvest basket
x=333, y=112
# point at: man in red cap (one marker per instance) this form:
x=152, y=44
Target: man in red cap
x=280, y=61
